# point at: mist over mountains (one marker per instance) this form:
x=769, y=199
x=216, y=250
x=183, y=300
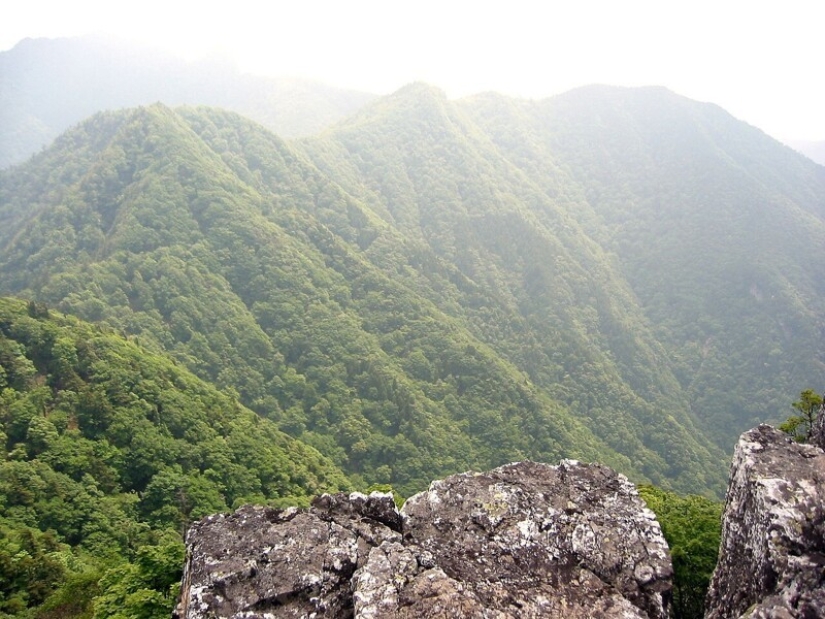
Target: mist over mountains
x=432, y=285
x=48, y=85
x=427, y=285
x=813, y=150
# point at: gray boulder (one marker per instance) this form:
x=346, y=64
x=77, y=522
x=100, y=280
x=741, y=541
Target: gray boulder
x=265, y=562
x=523, y=540
x=772, y=555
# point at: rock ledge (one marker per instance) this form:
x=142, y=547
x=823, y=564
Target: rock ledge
x=772, y=555
x=523, y=540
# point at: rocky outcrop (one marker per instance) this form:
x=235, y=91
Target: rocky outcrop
x=772, y=556
x=265, y=562
x=818, y=429
x=523, y=540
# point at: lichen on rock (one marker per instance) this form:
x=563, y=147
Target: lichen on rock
x=772, y=556
x=523, y=540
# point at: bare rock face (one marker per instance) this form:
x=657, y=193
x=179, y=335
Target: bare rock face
x=523, y=540
x=264, y=562
x=772, y=556
x=818, y=429
x=535, y=540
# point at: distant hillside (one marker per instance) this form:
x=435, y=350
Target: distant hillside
x=813, y=150
x=48, y=85
x=544, y=295
x=718, y=228
x=432, y=286
x=210, y=238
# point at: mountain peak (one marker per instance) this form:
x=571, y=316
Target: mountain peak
x=420, y=89
x=418, y=106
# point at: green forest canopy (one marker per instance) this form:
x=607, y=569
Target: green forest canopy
x=430, y=286
x=110, y=451
x=404, y=341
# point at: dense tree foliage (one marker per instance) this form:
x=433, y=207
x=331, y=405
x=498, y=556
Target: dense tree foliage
x=438, y=291
x=209, y=238
x=108, y=452
x=718, y=229
x=692, y=526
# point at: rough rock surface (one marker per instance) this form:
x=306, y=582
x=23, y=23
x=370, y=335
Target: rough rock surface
x=523, y=540
x=772, y=556
x=818, y=429
x=264, y=562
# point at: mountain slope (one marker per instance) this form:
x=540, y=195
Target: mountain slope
x=48, y=85
x=545, y=296
x=109, y=452
x=717, y=228
x=815, y=151
x=208, y=237
x=430, y=286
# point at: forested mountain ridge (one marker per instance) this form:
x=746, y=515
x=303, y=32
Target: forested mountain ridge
x=717, y=227
x=545, y=296
x=48, y=85
x=433, y=286
x=203, y=234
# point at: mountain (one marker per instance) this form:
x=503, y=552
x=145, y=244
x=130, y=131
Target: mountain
x=545, y=295
x=201, y=233
x=109, y=452
x=704, y=236
x=48, y=85
x=813, y=150
x=717, y=228
x=431, y=286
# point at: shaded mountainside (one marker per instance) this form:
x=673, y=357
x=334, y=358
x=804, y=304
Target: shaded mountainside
x=109, y=451
x=544, y=294
x=717, y=228
x=48, y=85
x=210, y=238
x=813, y=150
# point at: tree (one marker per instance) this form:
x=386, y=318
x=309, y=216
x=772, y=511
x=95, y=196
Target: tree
x=692, y=526
x=799, y=426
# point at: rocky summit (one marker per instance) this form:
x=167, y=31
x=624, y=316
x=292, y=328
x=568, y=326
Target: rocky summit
x=772, y=557
x=523, y=540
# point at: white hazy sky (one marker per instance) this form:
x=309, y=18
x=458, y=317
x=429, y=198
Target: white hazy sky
x=760, y=60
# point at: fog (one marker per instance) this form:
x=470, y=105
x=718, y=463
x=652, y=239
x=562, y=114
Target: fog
x=761, y=63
